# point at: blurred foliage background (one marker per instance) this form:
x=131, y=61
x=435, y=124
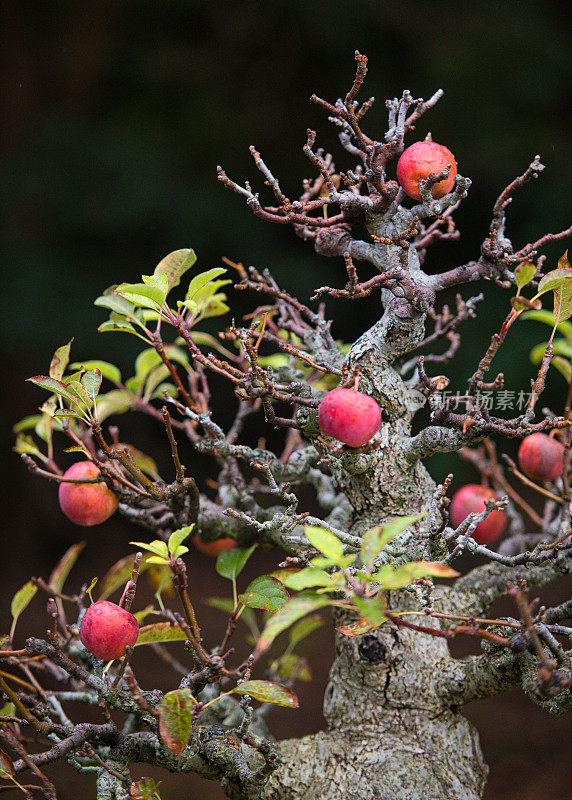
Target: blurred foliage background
x=114, y=116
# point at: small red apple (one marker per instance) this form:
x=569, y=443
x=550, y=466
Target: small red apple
x=471, y=498
x=215, y=547
x=349, y=416
x=418, y=160
x=540, y=457
x=86, y=503
x=107, y=629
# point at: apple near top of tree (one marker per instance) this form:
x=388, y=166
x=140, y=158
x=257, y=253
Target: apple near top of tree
x=471, y=499
x=106, y=630
x=421, y=159
x=86, y=503
x=540, y=457
x=349, y=416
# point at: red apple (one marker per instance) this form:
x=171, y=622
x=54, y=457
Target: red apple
x=540, y=457
x=350, y=417
x=86, y=503
x=107, y=629
x=471, y=498
x=418, y=160
x=215, y=547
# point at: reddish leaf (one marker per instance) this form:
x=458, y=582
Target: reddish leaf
x=175, y=719
x=268, y=692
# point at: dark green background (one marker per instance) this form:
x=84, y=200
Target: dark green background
x=114, y=117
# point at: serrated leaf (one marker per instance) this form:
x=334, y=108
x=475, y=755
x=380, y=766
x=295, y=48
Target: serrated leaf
x=60, y=360
x=265, y=592
x=305, y=578
x=391, y=578
x=552, y=280
x=20, y=602
x=290, y=613
x=53, y=385
x=91, y=381
x=268, y=692
x=159, y=632
x=175, y=719
x=118, y=575
x=178, y=537
x=64, y=565
x=372, y=609
x=158, y=547
x=109, y=371
x=201, y=280
x=230, y=563
x=64, y=413
x=304, y=628
x=175, y=265
x=119, y=326
x=142, y=295
x=524, y=273
x=325, y=542
x=157, y=282
x=377, y=538
x=80, y=393
x=563, y=300
x=357, y=628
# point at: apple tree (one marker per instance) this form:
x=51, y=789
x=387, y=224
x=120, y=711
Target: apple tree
x=356, y=421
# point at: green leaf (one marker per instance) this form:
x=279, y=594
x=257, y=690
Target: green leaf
x=109, y=371
x=159, y=632
x=3, y=639
x=55, y=386
x=304, y=628
x=144, y=789
x=26, y=444
x=376, y=538
x=201, y=280
x=560, y=347
x=524, y=273
x=230, y=563
x=372, y=610
x=391, y=578
x=177, y=537
x=215, y=307
x=268, y=692
x=542, y=315
x=80, y=393
x=157, y=282
x=176, y=718
x=91, y=380
x=564, y=367
x=115, y=401
x=142, y=295
x=64, y=413
x=343, y=563
x=306, y=578
x=265, y=592
x=64, y=565
x=118, y=575
x=160, y=559
x=325, y=542
x=26, y=423
x=116, y=303
x=290, y=613
x=20, y=602
x=554, y=279
x=119, y=326
x=291, y=666
x=60, y=361
x=175, y=265
x=158, y=547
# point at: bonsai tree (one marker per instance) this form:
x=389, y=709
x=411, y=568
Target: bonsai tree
x=382, y=554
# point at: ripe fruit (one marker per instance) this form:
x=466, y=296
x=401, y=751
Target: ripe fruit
x=472, y=498
x=540, y=457
x=215, y=547
x=107, y=629
x=350, y=417
x=86, y=503
x=418, y=160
